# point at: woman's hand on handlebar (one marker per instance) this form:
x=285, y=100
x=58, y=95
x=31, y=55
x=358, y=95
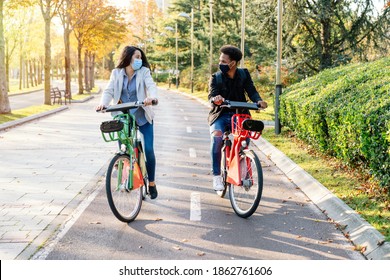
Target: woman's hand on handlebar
x=100, y=107
x=217, y=100
x=262, y=104
x=150, y=101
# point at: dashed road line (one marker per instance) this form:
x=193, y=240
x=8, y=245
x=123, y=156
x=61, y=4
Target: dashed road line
x=196, y=212
x=192, y=152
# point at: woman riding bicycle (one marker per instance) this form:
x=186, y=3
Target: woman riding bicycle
x=131, y=81
x=231, y=83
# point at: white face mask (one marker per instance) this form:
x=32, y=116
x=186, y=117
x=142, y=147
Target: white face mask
x=137, y=64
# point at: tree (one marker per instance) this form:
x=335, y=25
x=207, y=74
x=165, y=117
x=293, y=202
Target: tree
x=4, y=100
x=319, y=34
x=49, y=9
x=87, y=15
x=65, y=16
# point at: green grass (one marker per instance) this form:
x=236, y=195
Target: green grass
x=350, y=185
x=25, y=112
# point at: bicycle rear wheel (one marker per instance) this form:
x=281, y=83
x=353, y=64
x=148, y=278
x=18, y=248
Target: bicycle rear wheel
x=223, y=175
x=125, y=204
x=246, y=198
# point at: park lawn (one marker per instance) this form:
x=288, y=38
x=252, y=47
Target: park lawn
x=26, y=112
x=350, y=185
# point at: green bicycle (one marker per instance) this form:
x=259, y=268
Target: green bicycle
x=126, y=178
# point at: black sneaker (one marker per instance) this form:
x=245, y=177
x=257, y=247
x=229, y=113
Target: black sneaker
x=153, y=192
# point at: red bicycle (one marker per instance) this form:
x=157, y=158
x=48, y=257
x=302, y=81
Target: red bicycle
x=240, y=167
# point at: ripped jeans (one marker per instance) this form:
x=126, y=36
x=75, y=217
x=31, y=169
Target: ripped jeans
x=217, y=129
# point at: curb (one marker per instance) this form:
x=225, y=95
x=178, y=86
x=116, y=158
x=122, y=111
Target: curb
x=354, y=227
x=14, y=123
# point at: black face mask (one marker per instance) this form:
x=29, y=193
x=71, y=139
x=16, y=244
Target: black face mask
x=224, y=68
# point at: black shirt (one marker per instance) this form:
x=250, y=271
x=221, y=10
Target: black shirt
x=236, y=89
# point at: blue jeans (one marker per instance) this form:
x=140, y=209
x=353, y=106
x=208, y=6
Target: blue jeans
x=217, y=129
x=147, y=135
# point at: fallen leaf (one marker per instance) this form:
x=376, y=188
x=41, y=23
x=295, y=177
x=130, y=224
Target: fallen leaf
x=200, y=254
x=158, y=219
x=95, y=223
x=177, y=248
x=184, y=240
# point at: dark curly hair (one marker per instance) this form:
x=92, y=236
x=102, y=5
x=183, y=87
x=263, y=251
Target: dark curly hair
x=233, y=52
x=127, y=54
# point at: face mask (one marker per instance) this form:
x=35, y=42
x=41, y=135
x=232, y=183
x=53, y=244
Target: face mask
x=224, y=68
x=137, y=64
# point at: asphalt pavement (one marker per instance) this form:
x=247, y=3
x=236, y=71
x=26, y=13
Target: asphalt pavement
x=49, y=167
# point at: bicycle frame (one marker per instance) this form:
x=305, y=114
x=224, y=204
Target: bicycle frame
x=240, y=135
x=128, y=137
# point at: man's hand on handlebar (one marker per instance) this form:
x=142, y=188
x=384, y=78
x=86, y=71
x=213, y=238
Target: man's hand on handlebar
x=217, y=100
x=262, y=104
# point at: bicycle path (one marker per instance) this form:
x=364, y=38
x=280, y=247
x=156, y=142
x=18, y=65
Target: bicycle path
x=44, y=176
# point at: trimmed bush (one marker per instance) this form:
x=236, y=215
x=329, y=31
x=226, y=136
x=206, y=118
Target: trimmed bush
x=345, y=112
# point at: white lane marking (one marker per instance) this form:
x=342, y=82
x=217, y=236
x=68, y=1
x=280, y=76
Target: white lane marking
x=189, y=129
x=196, y=213
x=186, y=118
x=192, y=153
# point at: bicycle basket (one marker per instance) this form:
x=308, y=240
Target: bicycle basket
x=111, y=126
x=245, y=127
x=117, y=129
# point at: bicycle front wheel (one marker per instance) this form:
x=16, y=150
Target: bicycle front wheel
x=125, y=203
x=246, y=198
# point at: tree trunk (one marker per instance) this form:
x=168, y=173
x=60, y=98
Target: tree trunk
x=26, y=73
x=7, y=65
x=92, y=72
x=80, y=66
x=31, y=73
x=4, y=100
x=35, y=67
x=86, y=71
x=67, y=61
x=47, y=67
x=326, y=52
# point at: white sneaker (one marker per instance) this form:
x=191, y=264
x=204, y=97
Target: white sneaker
x=217, y=183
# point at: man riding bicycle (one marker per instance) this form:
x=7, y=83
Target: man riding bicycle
x=233, y=84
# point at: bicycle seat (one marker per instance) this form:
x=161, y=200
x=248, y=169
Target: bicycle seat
x=253, y=125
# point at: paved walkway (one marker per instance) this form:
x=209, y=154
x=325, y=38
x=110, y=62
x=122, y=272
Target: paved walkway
x=46, y=168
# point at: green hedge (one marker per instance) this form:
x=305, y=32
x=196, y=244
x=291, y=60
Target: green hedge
x=345, y=112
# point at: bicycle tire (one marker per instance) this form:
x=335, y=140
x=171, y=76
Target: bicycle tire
x=125, y=204
x=223, y=175
x=246, y=198
x=141, y=163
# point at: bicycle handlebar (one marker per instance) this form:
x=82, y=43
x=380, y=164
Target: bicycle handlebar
x=124, y=107
x=239, y=105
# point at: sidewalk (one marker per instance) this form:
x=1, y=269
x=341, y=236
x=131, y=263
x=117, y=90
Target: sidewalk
x=48, y=167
